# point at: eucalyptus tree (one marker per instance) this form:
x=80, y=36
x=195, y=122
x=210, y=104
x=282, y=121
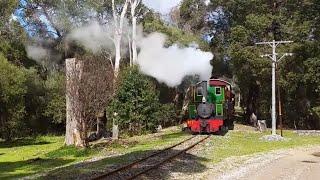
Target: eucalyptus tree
x=259, y=20
x=134, y=5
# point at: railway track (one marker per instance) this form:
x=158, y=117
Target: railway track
x=153, y=161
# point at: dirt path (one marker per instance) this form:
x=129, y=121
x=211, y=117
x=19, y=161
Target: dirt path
x=301, y=163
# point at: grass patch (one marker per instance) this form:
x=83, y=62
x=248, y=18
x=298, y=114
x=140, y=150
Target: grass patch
x=31, y=156
x=42, y=154
x=28, y=156
x=129, y=152
x=246, y=142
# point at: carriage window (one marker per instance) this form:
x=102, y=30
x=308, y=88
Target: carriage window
x=199, y=91
x=218, y=91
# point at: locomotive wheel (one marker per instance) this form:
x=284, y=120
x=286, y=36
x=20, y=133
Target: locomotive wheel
x=223, y=130
x=231, y=126
x=186, y=129
x=195, y=133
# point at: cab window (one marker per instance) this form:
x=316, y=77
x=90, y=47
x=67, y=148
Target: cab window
x=218, y=91
x=199, y=91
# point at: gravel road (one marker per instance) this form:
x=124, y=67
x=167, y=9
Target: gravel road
x=293, y=164
x=286, y=164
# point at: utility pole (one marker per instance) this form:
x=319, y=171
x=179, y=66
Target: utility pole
x=273, y=57
x=279, y=100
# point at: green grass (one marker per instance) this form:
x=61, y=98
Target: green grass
x=129, y=153
x=30, y=156
x=245, y=143
x=42, y=154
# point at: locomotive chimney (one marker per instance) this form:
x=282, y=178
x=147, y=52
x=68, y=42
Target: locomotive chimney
x=204, y=89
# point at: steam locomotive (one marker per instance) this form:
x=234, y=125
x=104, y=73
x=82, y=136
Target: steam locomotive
x=212, y=107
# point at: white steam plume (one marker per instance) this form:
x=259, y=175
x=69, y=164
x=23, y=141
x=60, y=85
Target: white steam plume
x=93, y=36
x=37, y=53
x=43, y=56
x=170, y=65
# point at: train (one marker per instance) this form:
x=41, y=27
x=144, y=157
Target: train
x=211, y=109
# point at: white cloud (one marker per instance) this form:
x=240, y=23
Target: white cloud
x=161, y=6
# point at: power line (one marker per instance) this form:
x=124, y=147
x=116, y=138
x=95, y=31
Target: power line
x=273, y=44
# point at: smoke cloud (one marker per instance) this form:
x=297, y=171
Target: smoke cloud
x=37, y=53
x=42, y=55
x=170, y=65
x=93, y=36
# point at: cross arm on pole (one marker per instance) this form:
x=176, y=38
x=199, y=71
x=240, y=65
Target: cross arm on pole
x=284, y=55
x=274, y=43
x=273, y=57
x=264, y=43
x=267, y=55
x=277, y=42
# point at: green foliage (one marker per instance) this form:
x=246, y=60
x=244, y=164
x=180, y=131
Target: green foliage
x=175, y=35
x=34, y=102
x=6, y=10
x=12, y=92
x=259, y=20
x=166, y=115
x=12, y=35
x=136, y=106
x=192, y=13
x=56, y=101
x=28, y=104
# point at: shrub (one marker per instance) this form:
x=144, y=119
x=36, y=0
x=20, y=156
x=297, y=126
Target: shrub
x=166, y=115
x=12, y=92
x=135, y=107
x=34, y=102
x=55, y=109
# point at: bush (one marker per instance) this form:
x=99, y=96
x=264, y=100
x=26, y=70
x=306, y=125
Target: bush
x=166, y=115
x=28, y=104
x=135, y=107
x=12, y=107
x=55, y=109
x=35, y=102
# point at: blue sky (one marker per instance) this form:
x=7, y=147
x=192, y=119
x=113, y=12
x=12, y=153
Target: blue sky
x=20, y=16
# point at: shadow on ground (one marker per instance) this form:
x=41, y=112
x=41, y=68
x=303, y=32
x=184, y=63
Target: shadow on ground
x=308, y=161
x=185, y=163
x=317, y=154
x=9, y=169
x=22, y=142
x=172, y=135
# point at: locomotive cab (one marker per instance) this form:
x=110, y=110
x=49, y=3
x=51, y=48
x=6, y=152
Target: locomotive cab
x=211, y=107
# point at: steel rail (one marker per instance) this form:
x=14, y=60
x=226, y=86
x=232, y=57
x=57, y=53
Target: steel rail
x=140, y=160
x=168, y=159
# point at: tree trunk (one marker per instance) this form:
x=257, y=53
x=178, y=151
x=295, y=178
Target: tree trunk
x=101, y=124
x=134, y=40
x=118, y=20
x=130, y=50
x=252, y=99
x=115, y=129
x=117, y=40
x=76, y=129
x=186, y=102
